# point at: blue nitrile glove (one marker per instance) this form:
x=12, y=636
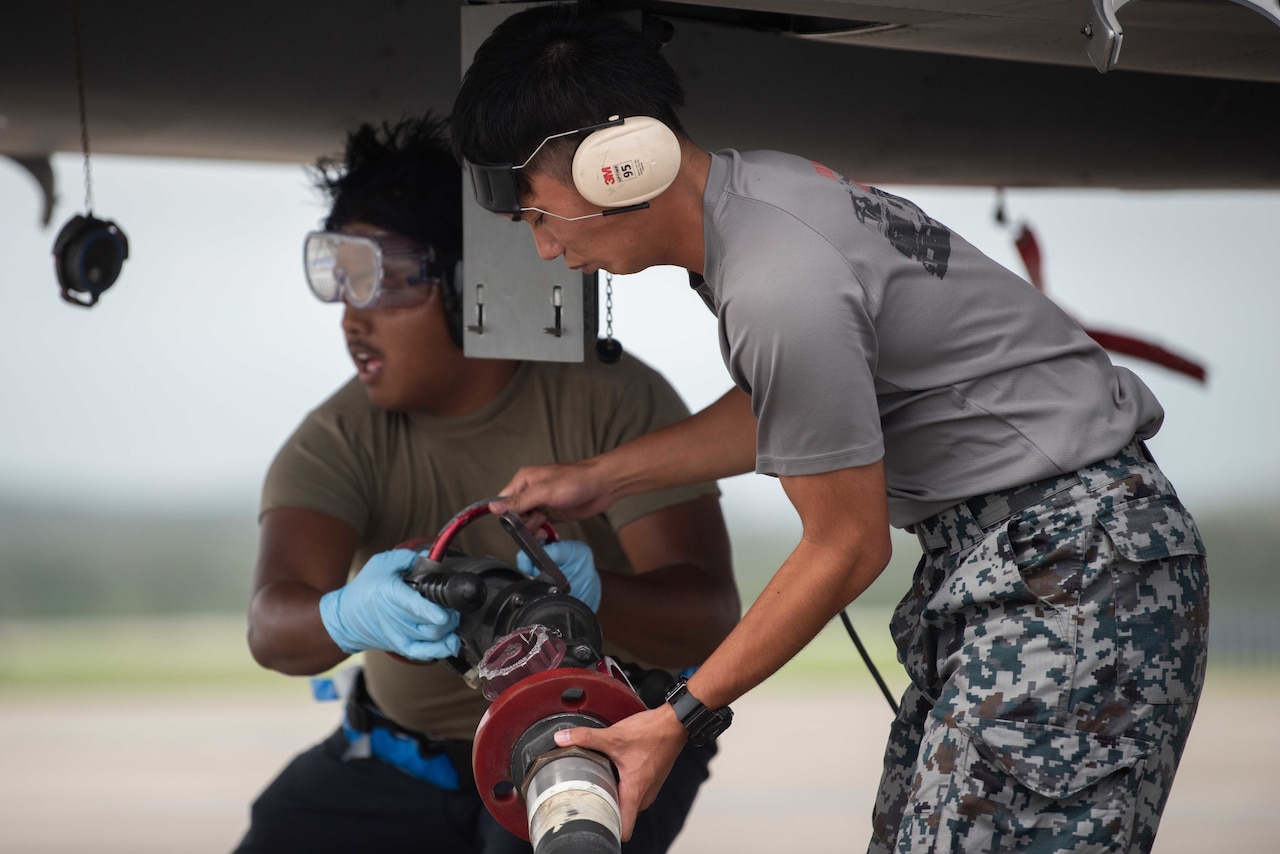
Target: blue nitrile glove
x=577, y=564
x=378, y=610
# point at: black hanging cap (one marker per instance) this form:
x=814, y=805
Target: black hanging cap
x=88, y=252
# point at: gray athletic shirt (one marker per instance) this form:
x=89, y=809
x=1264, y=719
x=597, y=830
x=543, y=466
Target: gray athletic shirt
x=863, y=329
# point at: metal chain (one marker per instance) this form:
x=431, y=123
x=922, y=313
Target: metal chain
x=608, y=305
x=84, y=121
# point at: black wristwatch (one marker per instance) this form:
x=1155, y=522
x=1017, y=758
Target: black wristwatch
x=704, y=725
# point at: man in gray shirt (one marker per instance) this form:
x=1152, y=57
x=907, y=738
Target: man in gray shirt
x=887, y=373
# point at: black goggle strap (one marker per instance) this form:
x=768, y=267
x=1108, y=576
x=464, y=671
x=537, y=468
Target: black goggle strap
x=429, y=268
x=430, y=271
x=495, y=183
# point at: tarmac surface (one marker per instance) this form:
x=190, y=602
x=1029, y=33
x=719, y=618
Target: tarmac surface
x=797, y=772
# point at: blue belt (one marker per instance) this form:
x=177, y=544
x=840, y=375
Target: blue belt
x=372, y=735
x=403, y=752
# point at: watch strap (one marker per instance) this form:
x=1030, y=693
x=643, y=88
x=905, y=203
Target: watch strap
x=703, y=725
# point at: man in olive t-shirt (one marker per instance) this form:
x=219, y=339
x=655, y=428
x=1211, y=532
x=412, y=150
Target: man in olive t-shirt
x=418, y=434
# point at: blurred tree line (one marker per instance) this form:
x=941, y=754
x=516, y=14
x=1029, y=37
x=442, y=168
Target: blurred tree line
x=64, y=562
x=72, y=561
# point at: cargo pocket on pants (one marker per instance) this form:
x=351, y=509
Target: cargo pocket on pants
x=1161, y=609
x=1026, y=785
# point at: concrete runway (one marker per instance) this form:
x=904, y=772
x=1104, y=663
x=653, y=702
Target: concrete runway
x=170, y=773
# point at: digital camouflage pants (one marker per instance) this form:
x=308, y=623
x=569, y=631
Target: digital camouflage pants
x=1055, y=637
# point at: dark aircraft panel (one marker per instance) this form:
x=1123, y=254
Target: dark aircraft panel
x=281, y=80
x=907, y=117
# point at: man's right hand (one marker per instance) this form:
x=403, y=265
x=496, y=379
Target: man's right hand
x=562, y=492
x=378, y=610
x=720, y=441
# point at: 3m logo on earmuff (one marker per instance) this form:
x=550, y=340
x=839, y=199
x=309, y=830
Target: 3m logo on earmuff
x=621, y=172
x=626, y=164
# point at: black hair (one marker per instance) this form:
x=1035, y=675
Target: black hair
x=550, y=69
x=401, y=177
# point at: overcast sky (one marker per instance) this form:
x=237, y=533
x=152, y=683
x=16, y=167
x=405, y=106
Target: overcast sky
x=179, y=386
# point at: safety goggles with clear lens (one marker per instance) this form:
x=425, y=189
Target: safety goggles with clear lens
x=370, y=272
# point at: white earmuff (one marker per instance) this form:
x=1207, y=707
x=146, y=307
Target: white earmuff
x=626, y=164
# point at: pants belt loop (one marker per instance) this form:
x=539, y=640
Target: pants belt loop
x=930, y=541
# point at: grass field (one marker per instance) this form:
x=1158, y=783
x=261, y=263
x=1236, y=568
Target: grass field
x=109, y=655
x=113, y=655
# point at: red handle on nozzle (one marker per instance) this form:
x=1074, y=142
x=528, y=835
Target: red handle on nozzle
x=510, y=521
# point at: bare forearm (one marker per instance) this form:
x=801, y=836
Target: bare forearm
x=844, y=548
x=719, y=441
x=286, y=633
x=301, y=554
x=808, y=590
x=672, y=617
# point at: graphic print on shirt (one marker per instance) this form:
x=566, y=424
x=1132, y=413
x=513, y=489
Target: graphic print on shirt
x=903, y=224
x=906, y=226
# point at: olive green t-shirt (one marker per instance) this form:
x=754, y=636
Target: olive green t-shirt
x=395, y=476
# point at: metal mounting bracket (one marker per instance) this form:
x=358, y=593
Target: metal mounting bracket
x=1103, y=34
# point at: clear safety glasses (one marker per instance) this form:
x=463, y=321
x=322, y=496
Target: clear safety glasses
x=368, y=272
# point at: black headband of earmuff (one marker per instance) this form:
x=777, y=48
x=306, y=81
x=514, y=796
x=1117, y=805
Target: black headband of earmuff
x=495, y=183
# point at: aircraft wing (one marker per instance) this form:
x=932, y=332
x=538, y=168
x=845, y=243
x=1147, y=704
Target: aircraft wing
x=978, y=92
